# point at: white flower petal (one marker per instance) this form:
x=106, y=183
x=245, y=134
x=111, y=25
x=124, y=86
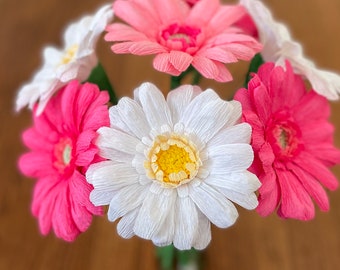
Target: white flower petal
x=109, y=176
x=203, y=233
x=279, y=47
x=154, y=105
x=225, y=159
x=125, y=200
x=186, y=223
x=240, y=133
x=75, y=61
x=100, y=197
x=205, y=119
x=242, y=182
x=248, y=201
x=118, y=140
x=214, y=205
x=131, y=113
x=126, y=224
x=115, y=120
x=179, y=98
x=153, y=214
x=166, y=234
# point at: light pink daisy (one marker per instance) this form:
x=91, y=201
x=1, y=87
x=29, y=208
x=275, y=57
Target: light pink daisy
x=292, y=140
x=203, y=36
x=61, y=149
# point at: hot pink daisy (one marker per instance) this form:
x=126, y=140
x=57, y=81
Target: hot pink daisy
x=61, y=150
x=203, y=36
x=292, y=140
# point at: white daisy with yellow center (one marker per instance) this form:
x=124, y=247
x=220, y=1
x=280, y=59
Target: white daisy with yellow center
x=174, y=166
x=75, y=61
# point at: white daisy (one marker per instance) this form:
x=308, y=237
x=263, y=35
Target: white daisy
x=279, y=47
x=173, y=166
x=75, y=61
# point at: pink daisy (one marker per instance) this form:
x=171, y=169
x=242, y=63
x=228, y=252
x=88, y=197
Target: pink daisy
x=203, y=36
x=61, y=150
x=292, y=140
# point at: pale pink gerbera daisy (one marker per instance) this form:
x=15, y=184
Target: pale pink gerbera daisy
x=203, y=36
x=61, y=150
x=292, y=140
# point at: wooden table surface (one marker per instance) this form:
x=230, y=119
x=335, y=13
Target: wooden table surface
x=253, y=243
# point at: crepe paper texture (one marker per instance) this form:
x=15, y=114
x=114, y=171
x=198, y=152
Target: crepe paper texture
x=174, y=166
x=278, y=46
x=293, y=142
x=75, y=61
x=204, y=36
x=61, y=149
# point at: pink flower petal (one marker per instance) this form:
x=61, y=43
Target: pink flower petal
x=295, y=201
x=270, y=194
x=180, y=60
x=162, y=63
x=62, y=221
x=29, y=138
x=317, y=170
x=35, y=164
x=312, y=186
x=218, y=54
x=136, y=15
x=226, y=16
x=170, y=10
x=146, y=48
x=206, y=67
x=123, y=32
x=206, y=7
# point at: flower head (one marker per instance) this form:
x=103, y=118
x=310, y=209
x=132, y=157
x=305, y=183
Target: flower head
x=278, y=46
x=75, y=61
x=203, y=36
x=61, y=150
x=173, y=166
x=292, y=141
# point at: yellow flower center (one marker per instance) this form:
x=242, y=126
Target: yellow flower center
x=172, y=160
x=69, y=54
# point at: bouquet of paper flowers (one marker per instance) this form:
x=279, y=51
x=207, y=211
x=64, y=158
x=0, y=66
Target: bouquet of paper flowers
x=169, y=166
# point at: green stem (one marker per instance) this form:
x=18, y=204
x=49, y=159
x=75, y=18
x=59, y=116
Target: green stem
x=99, y=77
x=177, y=80
x=166, y=256
x=169, y=257
x=255, y=63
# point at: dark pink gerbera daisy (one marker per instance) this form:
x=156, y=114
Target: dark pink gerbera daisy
x=292, y=141
x=61, y=149
x=204, y=36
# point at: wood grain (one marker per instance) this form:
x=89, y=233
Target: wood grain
x=253, y=243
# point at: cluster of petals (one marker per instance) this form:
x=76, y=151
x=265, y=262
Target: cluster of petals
x=75, y=61
x=292, y=140
x=204, y=35
x=278, y=46
x=174, y=166
x=61, y=149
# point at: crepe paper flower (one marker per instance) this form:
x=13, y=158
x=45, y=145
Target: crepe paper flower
x=173, y=166
x=279, y=47
x=246, y=23
x=202, y=36
x=292, y=141
x=75, y=61
x=192, y=2
x=61, y=149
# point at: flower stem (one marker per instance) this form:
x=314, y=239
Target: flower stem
x=99, y=77
x=176, y=81
x=255, y=63
x=169, y=257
